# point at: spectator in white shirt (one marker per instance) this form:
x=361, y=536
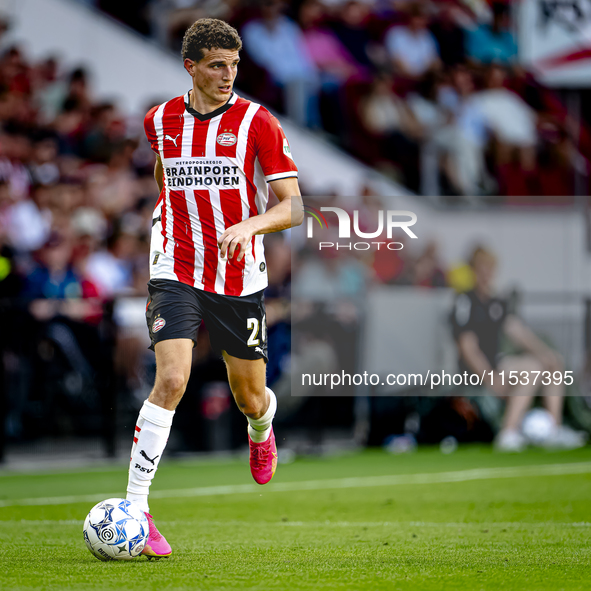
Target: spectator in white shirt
x=413, y=49
x=277, y=44
x=510, y=120
x=30, y=220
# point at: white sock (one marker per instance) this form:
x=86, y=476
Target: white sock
x=150, y=437
x=260, y=429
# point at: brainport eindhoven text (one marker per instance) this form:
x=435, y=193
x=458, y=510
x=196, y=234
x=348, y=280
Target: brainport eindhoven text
x=389, y=220
x=199, y=176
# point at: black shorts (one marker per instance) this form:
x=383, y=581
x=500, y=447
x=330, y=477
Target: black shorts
x=236, y=325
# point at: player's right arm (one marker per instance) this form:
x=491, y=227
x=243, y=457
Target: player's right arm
x=274, y=155
x=159, y=174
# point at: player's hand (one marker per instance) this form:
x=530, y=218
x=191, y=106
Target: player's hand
x=236, y=238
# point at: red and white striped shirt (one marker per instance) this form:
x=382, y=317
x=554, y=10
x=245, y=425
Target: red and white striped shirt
x=216, y=168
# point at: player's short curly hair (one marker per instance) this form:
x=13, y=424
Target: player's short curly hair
x=209, y=33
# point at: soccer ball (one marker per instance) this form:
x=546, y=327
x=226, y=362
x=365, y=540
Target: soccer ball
x=115, y=529
x=538, y=425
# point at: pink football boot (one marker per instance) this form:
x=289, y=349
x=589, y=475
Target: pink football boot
x=263, y=459
x=156, y=544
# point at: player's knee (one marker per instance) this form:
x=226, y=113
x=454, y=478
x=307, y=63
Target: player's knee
x=252, y=405
x=172, y=383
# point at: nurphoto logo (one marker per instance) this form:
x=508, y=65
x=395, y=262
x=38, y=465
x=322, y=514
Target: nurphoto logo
x=387, y=220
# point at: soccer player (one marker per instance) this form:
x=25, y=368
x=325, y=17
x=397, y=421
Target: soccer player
x=216, y=153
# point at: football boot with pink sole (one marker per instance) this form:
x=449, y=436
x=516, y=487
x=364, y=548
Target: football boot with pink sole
x=263, y=459
x=156, y=544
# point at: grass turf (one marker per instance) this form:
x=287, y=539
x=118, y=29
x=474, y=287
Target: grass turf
x=522, y=532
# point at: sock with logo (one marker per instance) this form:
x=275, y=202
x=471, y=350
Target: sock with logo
x=150, y=437
x=260, y=429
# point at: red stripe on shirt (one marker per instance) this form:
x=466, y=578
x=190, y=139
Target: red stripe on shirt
x=210, y=241
x=137, y=429
x=184, y=248
x=232, y=210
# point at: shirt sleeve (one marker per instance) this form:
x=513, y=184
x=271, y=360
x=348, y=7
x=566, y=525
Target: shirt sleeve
x=273, y=150
x=150, y=129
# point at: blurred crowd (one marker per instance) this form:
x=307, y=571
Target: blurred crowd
x=430, y=92
x=76, y=187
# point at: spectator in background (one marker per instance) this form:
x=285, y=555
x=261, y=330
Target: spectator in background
x=112, y=188
x=449, y=35
x=78, y=89
x=334, y=63
x=14, y=156
x=426, y=271
x=435, y=134
x=43, y=167
x=61, y=300
x=29, y=221
x=69, y=128
x=351, y=29
x=461, y=140
x=112, y=270
x=55, y=95
x=103, y=131
x=479, y=319
x=333, y=60
x=53, y=277
x=387, y=116
x=493, y=43
x=277, y=44
x=413, y=49
x=512, y=123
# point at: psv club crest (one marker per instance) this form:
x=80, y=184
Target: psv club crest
x=226, y=139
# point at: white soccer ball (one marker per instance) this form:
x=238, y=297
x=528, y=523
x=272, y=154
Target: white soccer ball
x=538, y=426
x=116, y=529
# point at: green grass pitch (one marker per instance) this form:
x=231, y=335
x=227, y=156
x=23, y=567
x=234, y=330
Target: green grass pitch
x=471, y=520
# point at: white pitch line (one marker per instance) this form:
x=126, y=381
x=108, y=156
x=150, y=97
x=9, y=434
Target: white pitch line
x=325, y=523
x=329, y=484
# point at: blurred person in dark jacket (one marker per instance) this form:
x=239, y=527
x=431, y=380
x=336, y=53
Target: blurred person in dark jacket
x=479, y=319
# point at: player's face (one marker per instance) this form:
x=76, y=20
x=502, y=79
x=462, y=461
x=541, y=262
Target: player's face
x=213, y=76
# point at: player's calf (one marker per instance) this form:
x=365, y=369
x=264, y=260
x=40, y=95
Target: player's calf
x=150, y=437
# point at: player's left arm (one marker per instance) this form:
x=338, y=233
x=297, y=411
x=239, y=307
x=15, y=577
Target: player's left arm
x=287, y=213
